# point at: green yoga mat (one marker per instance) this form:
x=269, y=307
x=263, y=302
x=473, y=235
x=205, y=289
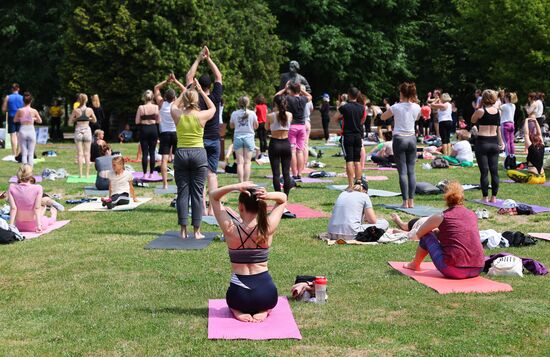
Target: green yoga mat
x=76, y=179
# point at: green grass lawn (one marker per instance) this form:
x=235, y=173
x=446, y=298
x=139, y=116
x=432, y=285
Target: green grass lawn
x=91, y=289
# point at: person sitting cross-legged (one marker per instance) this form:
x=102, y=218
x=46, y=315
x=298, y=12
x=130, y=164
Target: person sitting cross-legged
x=455, y=249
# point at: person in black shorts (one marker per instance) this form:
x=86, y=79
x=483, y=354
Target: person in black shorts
x=354, y=116
x=212, y=128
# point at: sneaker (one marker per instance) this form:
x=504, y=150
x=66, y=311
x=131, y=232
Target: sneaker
x=485, y=213
x=173, y=203
x=479, y=213
x=288, y=215
x=297, y=178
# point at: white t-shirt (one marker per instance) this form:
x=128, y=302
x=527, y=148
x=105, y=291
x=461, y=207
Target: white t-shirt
x=243, y=126
x=539, y=108
x=166, y=122
x=348, y=213
x=463, y=151
x=404, y=115
x=307, y=111
x=120, y=183
x=507, y=113
x=445, y=114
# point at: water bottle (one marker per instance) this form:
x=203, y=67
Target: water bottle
x=320, y=289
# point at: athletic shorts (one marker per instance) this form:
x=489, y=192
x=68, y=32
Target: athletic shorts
x=13, y=127
x=351, y=145
x=212, y=147
x=83, y=135
x=425, y=123
x=297, y=136
x=251, y=294
x=168, y=142
x=244, y=142
x=445, y=128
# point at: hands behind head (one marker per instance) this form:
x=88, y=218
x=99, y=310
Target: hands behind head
x=249, y=186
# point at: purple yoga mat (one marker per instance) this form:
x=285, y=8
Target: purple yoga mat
x=499, y=203
x=308, y=179
x=38, y=179
x=155, y=177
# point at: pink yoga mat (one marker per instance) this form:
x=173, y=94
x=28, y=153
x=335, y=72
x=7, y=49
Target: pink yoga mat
x=432, y=278
x=543, y=236
x=155, y=177
x=38, y=179
x=381, y=168
x=53, y=227
x=302, y=211
x=280, y=323
x=376, y=178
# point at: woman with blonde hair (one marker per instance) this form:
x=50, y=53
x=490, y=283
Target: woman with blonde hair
x=488, y=143
x=455, y=249
x=445, y=119
x=245, y=122
x=26, y=135
x=147, y=116
x=81, y=118
x=27, y=206
x=251, y=294
x=190, y=161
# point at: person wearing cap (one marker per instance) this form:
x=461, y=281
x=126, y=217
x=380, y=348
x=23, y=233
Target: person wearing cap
x=353, y=213
x=445, y=119
x=325, y=115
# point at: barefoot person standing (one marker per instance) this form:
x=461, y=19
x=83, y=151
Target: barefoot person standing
x=190, y=160
x=251, y=294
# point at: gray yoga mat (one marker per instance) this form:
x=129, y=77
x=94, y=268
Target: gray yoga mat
x=171, y=190
x=420, y=211
x=372, y=191
x=210, y=220
x=172, y=241
x=92, y=191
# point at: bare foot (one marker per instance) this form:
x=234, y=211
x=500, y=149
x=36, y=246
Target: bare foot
x=260, y=316
x=165, y=186
x=349, y=189
x=242, y=316
x=411, y=266
x=198, y=235
x=405, y=204
x=397, y=220
x=183, y=233
x=493, y=199
x=485, y=199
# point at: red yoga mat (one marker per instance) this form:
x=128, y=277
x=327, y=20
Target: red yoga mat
x=432, y=278
x=302, y=211
x=280, y=323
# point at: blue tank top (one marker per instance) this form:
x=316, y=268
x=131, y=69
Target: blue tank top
x=15, y=101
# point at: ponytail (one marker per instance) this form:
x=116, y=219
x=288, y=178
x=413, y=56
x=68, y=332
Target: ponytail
x=263, y=225
x=280, y=102
x=243, y=104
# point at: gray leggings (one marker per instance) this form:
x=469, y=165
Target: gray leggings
x=27, y=143
x=404, y=151
x=190, y=167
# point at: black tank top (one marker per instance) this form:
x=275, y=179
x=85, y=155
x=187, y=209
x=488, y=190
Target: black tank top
x=489, y=119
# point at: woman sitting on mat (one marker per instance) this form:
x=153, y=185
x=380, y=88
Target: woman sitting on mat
x=28, y=204
x=121, y=186
x=462, y=153
x=103, y=166
x=535, y=160
x=456, y=249
x=353, y=213
x=382, y=154
x=251, y=294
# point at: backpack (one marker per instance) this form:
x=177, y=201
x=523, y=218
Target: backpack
x=518, y=239
x=6, y=236
x=510, y=162
x=440, y=163
x=370, y=234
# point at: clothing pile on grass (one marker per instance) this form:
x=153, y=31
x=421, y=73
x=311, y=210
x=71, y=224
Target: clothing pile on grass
x=9, y=233
x=506, y=264
x=52, y=175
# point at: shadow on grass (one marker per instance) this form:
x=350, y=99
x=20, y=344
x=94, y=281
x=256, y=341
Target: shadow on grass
x=194, y=311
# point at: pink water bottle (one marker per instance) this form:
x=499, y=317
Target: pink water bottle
x=320, y=289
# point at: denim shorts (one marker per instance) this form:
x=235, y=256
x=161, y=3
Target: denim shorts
x=244, y=141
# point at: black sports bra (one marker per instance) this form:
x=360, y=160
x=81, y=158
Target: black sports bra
x=83, y=117
x=490, y=119
x=148, y=117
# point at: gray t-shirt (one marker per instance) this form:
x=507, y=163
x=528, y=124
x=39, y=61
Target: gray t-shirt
x=104, y=163
x=348, y=212
x=243, y=126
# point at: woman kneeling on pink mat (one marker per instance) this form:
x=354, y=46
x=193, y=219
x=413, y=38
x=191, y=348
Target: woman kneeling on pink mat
x=455, y=246
x=27, y=204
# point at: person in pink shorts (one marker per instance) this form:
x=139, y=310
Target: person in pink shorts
x=297, y=100
x=27, y=206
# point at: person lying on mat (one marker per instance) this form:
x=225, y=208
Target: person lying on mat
x=456, y=250
x=120, y=185
x=411, y=227
x=251, y=294
x=535, y=160
x=103, y=166
x=28, y=204
x=353, y=213
x=461, y=153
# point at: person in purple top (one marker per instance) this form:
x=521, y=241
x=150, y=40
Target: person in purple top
x=11, y=105
x=451, y=238
x=211, y=136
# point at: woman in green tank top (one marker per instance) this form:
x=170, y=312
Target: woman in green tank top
x=190, y=163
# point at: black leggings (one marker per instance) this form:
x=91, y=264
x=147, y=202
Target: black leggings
x=280, y=154
x=487, y=160
x=445, y=128
x=368, y=123
x=383, y=161
x=326, y=122
x=260, y=296
x=262, y=136
x=148, y=142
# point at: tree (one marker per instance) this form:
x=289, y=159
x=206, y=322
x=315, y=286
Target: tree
x=339, y=42
x=119, y=49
